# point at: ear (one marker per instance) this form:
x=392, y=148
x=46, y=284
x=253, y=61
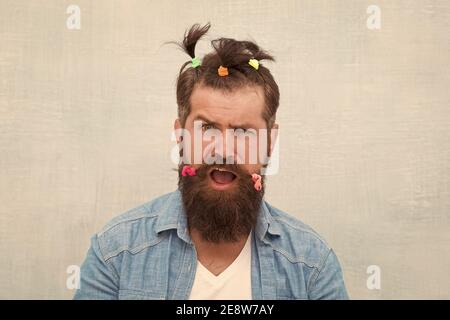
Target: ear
x=273, y=137
x=177, y=127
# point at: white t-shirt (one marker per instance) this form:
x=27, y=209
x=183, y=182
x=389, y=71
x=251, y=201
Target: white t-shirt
x=234, y=283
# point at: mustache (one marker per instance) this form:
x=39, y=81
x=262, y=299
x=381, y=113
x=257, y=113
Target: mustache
x=205, y=169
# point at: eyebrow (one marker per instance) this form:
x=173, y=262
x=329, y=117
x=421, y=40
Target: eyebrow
x=203, y=118
x=239, y=126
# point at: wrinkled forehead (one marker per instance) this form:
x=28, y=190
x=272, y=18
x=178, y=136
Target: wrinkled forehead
x=244, y=105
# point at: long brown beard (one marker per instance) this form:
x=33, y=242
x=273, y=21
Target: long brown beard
x=220, y=215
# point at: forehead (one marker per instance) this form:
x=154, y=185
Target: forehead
x=242, y=105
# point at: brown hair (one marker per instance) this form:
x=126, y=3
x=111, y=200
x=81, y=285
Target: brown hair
x=229, y=53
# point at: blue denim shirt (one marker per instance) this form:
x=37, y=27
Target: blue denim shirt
x=147, y=253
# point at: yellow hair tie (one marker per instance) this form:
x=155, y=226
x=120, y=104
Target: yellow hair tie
x=222, y=71
x=254, y=63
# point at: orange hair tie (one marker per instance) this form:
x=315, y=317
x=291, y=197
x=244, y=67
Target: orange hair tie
x=223, y=71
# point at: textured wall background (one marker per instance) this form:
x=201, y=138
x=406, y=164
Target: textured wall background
x=86, y=118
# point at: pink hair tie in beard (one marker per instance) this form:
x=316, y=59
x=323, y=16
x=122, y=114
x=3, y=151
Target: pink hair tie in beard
x=257, y=181
x=188, y=171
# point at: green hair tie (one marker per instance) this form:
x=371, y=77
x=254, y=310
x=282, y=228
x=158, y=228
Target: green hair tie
x=195, y=62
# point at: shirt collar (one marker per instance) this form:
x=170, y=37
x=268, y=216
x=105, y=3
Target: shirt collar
x=172, y=216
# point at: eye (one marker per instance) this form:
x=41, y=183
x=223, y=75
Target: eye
x=243, y=131
x=207, y=126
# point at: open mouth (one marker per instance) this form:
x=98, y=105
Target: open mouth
x=222, y=177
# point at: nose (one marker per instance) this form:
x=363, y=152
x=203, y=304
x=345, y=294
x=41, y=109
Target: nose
x=226, y=147
x=228, y=154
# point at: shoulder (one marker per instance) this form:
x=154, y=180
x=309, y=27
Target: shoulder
x=297, y=241
x=132, y=230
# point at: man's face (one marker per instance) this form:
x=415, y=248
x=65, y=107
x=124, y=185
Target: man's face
x=221, y=201
x=223, y=125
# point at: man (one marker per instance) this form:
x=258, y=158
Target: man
x=215, y=237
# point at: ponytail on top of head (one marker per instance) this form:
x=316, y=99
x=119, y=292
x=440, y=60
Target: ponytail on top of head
x=190, y=39
x=237, y=58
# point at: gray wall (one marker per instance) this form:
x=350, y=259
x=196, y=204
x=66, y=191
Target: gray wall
x=86, y=118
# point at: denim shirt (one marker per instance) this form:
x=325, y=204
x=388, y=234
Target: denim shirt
x=147, y=253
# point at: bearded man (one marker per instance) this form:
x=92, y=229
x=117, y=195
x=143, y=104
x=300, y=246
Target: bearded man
x=215, y=237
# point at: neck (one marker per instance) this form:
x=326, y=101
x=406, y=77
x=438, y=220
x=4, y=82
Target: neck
x=216, y=256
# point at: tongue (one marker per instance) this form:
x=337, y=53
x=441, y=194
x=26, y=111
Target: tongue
x=222, y=177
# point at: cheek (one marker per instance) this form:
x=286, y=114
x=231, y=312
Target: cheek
x=256, y=152
x=188, y=145
x=251, y=168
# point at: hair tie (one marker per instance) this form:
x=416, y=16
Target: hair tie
x=195, y=62
x=254, y=63
x=256, y=178
x=222, y=71
x=188, y=171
